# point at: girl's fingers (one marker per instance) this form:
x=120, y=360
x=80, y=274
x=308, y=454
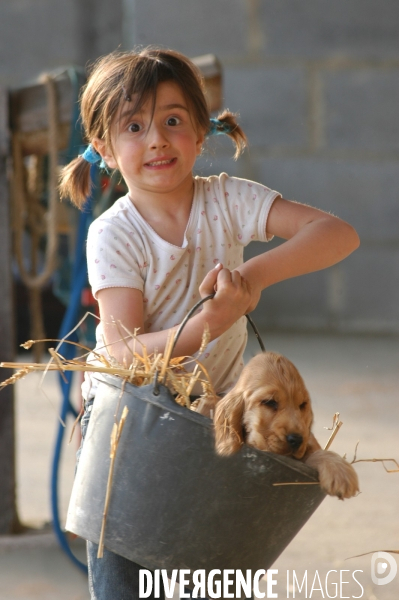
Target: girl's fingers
x=208, y=285
x=234, y=277
x=224, y=276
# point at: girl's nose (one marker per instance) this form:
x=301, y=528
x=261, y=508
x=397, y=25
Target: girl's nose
x=157, y=137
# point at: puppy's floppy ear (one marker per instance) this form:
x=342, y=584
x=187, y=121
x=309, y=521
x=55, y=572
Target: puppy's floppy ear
x=228, y=423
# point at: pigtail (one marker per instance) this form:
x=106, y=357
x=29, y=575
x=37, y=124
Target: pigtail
x=75, y=181
x=231, y=128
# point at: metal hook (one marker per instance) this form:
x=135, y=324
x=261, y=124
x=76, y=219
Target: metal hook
x=196, y=307
x=155, y=391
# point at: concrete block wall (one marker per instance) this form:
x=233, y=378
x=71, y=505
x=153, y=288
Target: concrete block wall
x=43, y=35
x=316, y=84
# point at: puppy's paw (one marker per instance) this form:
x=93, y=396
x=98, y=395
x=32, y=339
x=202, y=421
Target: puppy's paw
x=337, y=477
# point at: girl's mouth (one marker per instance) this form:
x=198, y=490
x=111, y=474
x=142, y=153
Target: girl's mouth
x=161, y=163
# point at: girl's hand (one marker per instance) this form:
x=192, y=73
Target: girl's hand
x=232, y=298
x=125, y=306
x=209, y=286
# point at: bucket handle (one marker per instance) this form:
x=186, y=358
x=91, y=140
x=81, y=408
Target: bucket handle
x=183, y=323
x=196, y=307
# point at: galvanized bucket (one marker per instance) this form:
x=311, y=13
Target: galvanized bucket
x=175, y=504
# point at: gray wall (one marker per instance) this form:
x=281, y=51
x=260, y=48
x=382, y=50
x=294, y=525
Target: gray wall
x=41, y=35
x=316, y=84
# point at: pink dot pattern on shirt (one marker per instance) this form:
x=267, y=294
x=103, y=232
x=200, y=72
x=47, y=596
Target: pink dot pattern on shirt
x=226, y=221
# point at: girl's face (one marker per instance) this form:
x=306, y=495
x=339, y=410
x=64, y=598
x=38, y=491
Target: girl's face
x=155, y=151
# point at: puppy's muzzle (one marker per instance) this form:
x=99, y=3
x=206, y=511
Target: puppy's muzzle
x=294, y=440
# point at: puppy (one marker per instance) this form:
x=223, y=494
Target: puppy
x=269, y=408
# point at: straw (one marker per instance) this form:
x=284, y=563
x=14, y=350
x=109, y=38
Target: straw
x=115, y=437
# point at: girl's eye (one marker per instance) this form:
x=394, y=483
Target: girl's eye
x=134, y=127
x=173, y=121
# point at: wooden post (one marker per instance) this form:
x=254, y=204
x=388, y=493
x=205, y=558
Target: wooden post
x=9, y=522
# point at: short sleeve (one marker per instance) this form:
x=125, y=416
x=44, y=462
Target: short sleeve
x=114, y=258
x=246, y=205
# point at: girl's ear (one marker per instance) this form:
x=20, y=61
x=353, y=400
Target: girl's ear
x=228, y=423
x=102, y=148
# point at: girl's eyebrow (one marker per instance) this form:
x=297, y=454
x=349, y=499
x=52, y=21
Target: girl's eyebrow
x=170, y=106
x=128, y=114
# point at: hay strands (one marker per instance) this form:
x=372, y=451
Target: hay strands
x=336, y=426
x=115, y=438
x=383, y=461
x=141, y=371
x=177, y=378
x=22, y=370
x=64, y=365
x=374, y=460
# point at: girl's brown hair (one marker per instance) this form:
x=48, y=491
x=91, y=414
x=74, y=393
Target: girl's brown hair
x=134, y=77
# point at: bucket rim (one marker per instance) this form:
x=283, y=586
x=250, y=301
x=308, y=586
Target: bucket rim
x=166, y=402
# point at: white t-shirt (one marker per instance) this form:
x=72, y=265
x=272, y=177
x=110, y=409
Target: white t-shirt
x=124, y=251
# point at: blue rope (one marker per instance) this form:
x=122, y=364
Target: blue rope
x=71, y=317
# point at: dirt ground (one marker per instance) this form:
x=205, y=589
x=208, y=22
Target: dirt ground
x=356, y=376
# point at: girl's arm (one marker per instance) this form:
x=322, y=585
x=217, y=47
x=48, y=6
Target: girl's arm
x=125, y=306
x=315, y=240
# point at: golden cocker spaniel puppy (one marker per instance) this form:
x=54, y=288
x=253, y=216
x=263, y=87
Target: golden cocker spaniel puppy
x=269, y=408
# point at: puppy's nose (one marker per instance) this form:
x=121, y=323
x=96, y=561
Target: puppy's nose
x=294, y=440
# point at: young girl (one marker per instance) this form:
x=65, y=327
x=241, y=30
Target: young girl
x=176, y=237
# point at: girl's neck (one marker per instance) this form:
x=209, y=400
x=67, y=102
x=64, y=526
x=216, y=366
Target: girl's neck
x=166, y=212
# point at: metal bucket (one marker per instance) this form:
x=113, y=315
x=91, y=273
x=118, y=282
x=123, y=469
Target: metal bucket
x=174, y=503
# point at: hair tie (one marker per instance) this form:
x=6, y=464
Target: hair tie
x=218, y=128
x=126, y=96
x=92, y=156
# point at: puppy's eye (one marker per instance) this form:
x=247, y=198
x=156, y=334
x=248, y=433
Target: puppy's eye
x=270, y=404
x=303, y=405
